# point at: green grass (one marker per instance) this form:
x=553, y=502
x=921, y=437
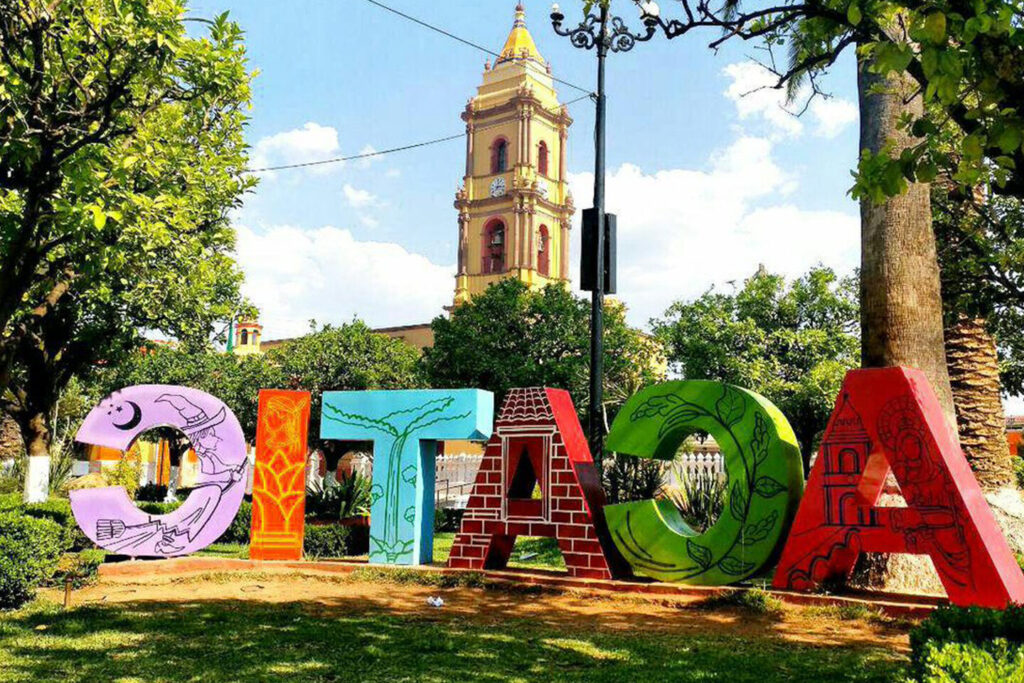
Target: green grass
x=529, y=553
x=231, y=550
x=230, y=640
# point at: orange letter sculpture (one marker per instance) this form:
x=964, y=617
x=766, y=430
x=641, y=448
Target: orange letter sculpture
x=537, y=479
x=279, y=480
x=886, y=420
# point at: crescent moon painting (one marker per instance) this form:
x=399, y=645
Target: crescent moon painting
x=133, y=421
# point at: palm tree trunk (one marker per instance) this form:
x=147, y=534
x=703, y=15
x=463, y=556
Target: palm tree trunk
x=974, y=375
x=901, y=300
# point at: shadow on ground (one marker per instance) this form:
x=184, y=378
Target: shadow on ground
x=345, y=640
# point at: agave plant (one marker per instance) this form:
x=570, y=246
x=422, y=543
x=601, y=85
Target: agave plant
x=349, y=497
x=698, y=497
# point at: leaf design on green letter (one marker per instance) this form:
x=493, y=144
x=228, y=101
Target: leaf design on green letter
x=738, y=502
x=656, y=405
x=759, y=531
x=730, y=407
x=766, y=487
x=761, y=438
x=682, y=416
x=698, y=553
x=734, y=567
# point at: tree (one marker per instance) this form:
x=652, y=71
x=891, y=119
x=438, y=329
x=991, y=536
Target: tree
x=234, y=380
x=121, y=153
x=981, y=252
x=964, y=58
x=901, y=298
x=511, y=336
x=350, y=357
x=792, y=343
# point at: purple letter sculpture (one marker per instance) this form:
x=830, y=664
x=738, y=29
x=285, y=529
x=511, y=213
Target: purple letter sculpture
x=109, y=517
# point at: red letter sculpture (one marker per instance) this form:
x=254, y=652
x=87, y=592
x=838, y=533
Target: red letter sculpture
x=890, y=420
x=279, y=480
x=537, y=443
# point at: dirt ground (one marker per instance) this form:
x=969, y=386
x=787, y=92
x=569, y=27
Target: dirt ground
x=332, y=594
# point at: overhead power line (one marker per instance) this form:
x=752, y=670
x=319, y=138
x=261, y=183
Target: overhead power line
x=470, y=43
x=378, y=153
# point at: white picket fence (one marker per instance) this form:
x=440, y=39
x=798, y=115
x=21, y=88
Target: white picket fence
x=695, y=466
x=454, y=477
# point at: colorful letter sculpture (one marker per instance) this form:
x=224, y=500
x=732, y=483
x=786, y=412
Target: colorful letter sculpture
x=537, y=443
x=279, y=477
x=765, y=480
x=108, y=516
x=405, y=427
x=890, y=420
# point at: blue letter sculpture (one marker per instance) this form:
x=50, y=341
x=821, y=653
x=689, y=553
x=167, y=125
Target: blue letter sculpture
x=405, y=427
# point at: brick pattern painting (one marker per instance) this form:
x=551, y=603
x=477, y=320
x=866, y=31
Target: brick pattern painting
x=279, y=479
x=537, y=478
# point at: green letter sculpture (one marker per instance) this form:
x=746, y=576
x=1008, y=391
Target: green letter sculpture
x=765, y=482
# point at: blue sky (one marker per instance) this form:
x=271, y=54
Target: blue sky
x=707, y=183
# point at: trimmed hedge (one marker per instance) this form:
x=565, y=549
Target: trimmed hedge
x=29, y=551
x=326, y=541
x=59, y=510
x=240, y=527
x=976, y=644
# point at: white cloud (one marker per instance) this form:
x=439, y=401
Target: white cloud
x=752, y=92
x=756, y=99
x=393, y=173
x=832, y=115
x=366, y=161
x=683, y=230
x=294, y=275
x=358, y=198
x=312, y=142
x=369, y=221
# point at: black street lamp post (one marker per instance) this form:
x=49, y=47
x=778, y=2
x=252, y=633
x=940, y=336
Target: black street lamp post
x=605, y=33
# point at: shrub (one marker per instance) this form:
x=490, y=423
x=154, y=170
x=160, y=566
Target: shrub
x=240, y=527
x=447, y=519
x=29, y=551
x=81, y=568
x=1018, y=469
x=158, y=508
x=699, y=498
x=59, y=510
x=153, y=493
x=350, y=497
x=628, y=478
x=985, y=641
x=327, y=541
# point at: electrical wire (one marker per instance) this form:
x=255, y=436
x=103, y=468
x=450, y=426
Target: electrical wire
x=462, y=40
x=378, y=153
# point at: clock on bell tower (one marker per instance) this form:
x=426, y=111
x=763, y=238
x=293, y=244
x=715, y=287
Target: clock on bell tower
x=514, y=205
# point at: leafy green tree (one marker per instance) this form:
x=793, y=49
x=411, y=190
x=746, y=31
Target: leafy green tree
x=121, y=153
x=964, y=58
x=234, y=380
x=510, y=336
x=792, y=343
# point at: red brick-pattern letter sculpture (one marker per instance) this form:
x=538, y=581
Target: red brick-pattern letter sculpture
x=279, y=479
x=537, y=443
x=890, y=420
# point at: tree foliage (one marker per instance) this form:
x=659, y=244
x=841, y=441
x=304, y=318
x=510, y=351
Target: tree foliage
x=792, y=343
x=234, y=380
x=966, y=56
x=510, y=336
x=121, y=153
x=348, y=357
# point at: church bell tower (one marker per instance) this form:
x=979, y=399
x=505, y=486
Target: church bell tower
x=514, y=205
